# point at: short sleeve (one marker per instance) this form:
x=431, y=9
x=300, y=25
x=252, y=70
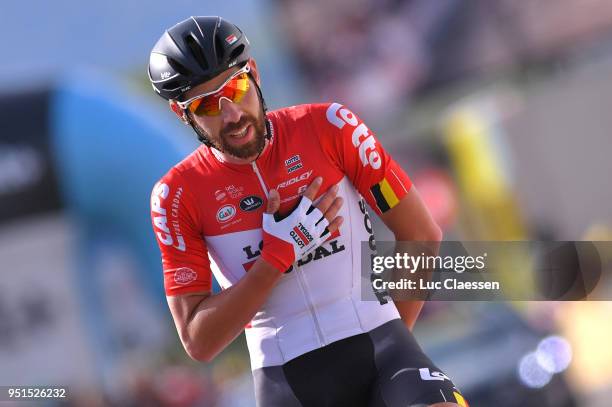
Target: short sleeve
x=184, y=254
x=356, y=151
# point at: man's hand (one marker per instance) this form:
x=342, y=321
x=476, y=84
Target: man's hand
x=291, y=238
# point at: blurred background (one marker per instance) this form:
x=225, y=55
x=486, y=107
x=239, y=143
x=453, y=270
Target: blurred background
x=498, y=109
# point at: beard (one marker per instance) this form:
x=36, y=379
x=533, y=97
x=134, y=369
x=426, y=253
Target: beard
x=252, y=148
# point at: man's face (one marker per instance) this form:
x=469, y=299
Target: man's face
x=239, y=129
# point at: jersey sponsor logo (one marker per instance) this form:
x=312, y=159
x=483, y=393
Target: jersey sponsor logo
x=250, y=203
x=294, y=168
x=300, y=191
x=303, y=229
x=234, y=191
x=304, y=176
x=296, y=237
x=362, y=139
x=292, y=160
x=232, y=223
x=293, y=163
x=160, y=193
x=220, y=196
x=226, y=213
x=427, y=374
x=381, y=295
x=320, y=252
x=184, y=276
x=300, y=235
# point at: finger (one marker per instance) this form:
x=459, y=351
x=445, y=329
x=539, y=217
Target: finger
x=321, y=226
x=328, y=198
x=335, y=224
x=273, y=201
x=333, y=209
x=313, y=188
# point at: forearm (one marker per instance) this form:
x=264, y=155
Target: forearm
x=409, y=309
x=219, y=319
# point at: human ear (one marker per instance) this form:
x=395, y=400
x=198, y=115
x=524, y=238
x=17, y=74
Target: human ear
x=178, y=111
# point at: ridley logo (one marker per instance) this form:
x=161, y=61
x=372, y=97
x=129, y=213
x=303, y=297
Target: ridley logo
x=295, y=179
x=250, y=203
x=362, y=139
x=184, y=276
x=226, y=213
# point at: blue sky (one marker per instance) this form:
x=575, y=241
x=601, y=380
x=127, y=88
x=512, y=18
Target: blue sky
x=44, y=38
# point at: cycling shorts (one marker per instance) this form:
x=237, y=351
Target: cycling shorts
x=381, y=368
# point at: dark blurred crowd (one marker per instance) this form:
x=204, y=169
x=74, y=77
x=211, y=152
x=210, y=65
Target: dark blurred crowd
x=372, y=54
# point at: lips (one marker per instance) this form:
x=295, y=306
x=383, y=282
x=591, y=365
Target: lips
x=241, y=136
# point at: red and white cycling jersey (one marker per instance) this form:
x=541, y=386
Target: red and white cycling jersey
x=205, y=206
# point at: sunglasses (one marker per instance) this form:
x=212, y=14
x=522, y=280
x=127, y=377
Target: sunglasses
x=209, y=103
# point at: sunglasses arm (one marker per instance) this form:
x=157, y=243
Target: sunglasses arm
x=181, y=113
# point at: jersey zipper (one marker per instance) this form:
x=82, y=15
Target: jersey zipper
x=261, y=181
x=298, y=270
x=310, y=304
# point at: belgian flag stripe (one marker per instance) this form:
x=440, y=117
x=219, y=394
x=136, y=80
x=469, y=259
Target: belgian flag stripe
x=388, y=193
x=384, y=195
x=380, y=199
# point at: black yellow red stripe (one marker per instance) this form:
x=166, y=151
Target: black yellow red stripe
x=385, y=196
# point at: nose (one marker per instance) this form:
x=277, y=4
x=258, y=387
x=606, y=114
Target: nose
x=230, y=112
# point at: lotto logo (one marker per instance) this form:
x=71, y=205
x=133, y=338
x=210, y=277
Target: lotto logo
x=300, y=235
x=362, y=139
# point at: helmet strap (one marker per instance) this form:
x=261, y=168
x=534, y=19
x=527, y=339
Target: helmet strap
x=263, y=107
x=202, y=137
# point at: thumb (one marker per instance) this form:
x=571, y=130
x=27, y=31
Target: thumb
x=273, y=201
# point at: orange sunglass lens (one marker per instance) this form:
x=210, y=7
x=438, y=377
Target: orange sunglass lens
x=234, y=90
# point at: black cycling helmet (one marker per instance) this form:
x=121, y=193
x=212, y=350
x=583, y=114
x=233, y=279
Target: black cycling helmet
x=194, y=51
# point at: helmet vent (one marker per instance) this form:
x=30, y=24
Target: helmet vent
x=171, y=85
x=219, y=48
x=237, y=52
x=196, y=51
x=178, y=67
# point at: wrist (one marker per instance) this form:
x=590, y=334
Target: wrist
x=274, y=262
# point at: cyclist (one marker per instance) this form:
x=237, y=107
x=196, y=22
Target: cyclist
x=278, y=201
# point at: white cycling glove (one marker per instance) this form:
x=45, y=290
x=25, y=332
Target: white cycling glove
x=290, y=239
